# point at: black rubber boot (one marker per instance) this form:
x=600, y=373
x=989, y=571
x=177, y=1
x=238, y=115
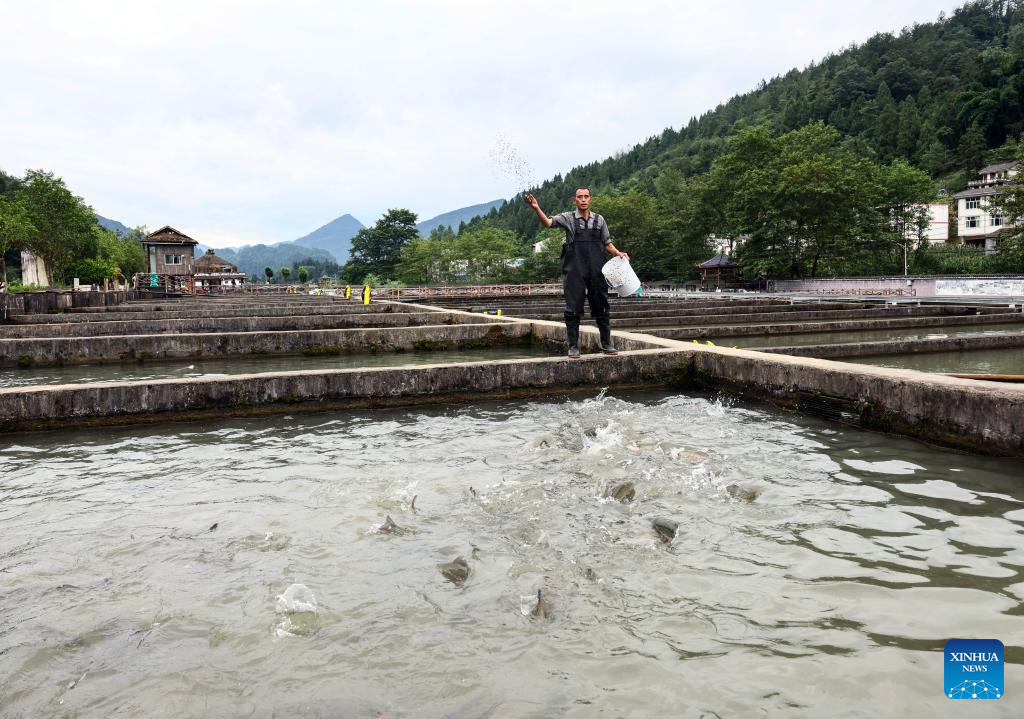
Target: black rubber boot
x=605, y=326
x=572, y=337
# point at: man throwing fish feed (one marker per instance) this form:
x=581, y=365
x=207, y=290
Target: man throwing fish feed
x=583, y=255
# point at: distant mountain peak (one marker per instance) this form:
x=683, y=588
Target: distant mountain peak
x=114, y=225
x=335, y=237
x=453, y=218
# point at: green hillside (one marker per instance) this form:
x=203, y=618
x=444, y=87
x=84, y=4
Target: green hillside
x=946, y=96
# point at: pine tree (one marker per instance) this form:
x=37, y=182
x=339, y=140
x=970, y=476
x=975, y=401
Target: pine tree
x=972, y=149
x=909, y=130
x=932, y=155
x=887, y=122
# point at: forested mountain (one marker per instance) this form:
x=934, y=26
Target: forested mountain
x=335, y=237
x=254, y=258
x=946, y=96
x=112, y=225
x=454, y=218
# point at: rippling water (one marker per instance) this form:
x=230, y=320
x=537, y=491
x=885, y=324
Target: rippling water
x=235, y=568
x=1008, y=360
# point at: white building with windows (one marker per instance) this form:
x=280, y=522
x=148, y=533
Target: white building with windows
x=978, y=222
x=938, y=222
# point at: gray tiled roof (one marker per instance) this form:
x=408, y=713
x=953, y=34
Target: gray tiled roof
x=977, y=192
x=1001, y=167
x=167, y=235
x=719, y=260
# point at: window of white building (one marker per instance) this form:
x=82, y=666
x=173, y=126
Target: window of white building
x=973, y=203
x=995, y=220
x=972, y=221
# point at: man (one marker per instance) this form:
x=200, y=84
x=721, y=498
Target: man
x=583, y=255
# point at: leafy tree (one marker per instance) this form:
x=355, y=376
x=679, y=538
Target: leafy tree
x=633, y=221
x=64, y=223
x=268, y=273
x=122, y=252
x=8, y=184
x=486, y=254
x=807, y=205
x=545, y=265
x=16, y=229
x=481, y=254
x=904, y=189
x=92, y=270
x=285, y=273
x=316, y=267
x=303, y=275
x=427, y=260
x=377, y=250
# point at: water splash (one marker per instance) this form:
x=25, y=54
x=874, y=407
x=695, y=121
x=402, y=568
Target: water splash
x=297, y=612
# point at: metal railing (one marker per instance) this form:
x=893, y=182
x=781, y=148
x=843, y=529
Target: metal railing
x=417, y=293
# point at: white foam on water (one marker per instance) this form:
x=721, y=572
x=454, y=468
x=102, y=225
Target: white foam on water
x=296, y=598
x=297, y=612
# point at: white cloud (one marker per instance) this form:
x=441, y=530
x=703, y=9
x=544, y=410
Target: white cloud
x=259, y=121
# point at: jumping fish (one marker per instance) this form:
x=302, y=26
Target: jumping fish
x=624, y=492
x=747, y=494
x=389, y=526
x=455, y=571
x=666, y=529
x=542, y=610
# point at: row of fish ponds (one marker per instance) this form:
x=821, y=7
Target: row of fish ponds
x=146, y=341
x=578, y=548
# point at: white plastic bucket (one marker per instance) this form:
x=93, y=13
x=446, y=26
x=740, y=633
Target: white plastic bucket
x=620, y=277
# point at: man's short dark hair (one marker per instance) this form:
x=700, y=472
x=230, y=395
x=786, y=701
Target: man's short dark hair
x=581, y=188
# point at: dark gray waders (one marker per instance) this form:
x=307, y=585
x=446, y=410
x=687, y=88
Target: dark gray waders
x=582, y=261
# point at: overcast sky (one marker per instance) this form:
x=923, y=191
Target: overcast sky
x=244, y=122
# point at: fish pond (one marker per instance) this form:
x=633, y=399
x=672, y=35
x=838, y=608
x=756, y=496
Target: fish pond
x=239, y=568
